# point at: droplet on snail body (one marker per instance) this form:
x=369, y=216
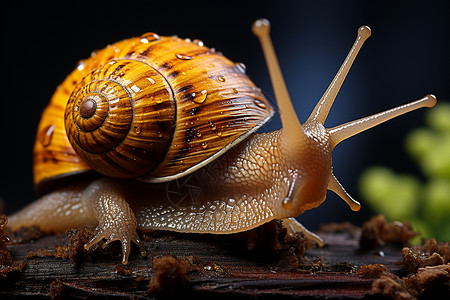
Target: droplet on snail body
x=149, y=37
x=287, y=203
x=46, y=135
x=200, y=97
x=183, y=56
x=260, y=104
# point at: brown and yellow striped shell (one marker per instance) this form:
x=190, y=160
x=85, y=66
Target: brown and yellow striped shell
x=151, y=107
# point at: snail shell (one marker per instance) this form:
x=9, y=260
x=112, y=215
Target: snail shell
x=151, y=107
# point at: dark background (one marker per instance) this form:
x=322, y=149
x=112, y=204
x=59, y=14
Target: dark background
x=406, y=58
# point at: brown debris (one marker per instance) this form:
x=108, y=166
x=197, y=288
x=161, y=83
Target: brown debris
x=429, y=254
x=377, y=232
x=271, y=241
x=56, y=288
x=5, y=255
x=429, y=273
x=372, y=271
x=74, y=249
x=27, y=234
x=170, y=275
x=444, y=251
x=427, y=280
x=8, y=268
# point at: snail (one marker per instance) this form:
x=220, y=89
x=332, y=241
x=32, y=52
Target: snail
x=182, y=119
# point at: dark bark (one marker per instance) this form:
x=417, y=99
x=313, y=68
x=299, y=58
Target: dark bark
x=264, y=263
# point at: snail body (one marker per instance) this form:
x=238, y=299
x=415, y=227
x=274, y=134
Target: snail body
x=182, y=119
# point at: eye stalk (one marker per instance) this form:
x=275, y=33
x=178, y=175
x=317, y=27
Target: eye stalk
x=296, y=139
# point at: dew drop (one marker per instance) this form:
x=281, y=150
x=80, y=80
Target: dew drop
x=287, y=203
x=199, y=97
x=221, y=78
x=240, y=67
x=212, y=125
x=235, y=90
x=137, y=129
x=198, y=134
x=46, y=135
x=149, y=37
x=219, y=133
x=198, y=42
x=80, y=66
x=183, y=56
x=260, y=104
x=204, y=145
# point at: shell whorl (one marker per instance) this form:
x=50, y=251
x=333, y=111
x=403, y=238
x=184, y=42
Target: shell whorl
x=120, y=118
x=183, y=105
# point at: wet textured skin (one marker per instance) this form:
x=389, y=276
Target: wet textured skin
x=241, y=190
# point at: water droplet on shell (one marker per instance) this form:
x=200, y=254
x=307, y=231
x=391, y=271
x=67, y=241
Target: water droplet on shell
x=149, y=37
x=80, y=66
x=260, y=104
x=183, y=56
x=200, y=97
x=46, y=135
x=212, y=125
x=221, y=78
x=240, y=67
x=204, y=145
x=137, y=129
x=198, y=42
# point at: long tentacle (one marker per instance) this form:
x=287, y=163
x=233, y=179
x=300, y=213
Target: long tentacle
x=323, y=107
x=344, y=131
x=289, y=120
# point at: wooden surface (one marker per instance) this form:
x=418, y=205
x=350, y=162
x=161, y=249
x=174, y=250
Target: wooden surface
x=211, y=266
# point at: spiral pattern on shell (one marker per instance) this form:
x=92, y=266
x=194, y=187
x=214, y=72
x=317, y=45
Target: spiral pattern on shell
x=152, y=107
x=120, y=118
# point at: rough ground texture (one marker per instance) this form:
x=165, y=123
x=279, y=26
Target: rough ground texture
x=265, y=263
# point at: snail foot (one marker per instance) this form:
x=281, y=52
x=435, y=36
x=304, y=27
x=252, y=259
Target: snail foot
x=122, y=234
